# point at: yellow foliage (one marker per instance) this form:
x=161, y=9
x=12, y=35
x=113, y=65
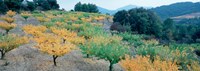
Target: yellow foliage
x=42, y=19
x=140, y=63
x=25, y=14
x=68, y=35
x=10, y=13
x=59, y=23
x=50, y=16
x=53, y=45
x=100, y=40
x=86, y=19
x=10, y=42
x=100, y=18
x=73, y=18
x=8, y=19
x=77, y=25
x=97, y=24
x=49, y=42
x=7, y=26
x=34, y=30
x=194, y=66
x=105, y=39
x=151, y=42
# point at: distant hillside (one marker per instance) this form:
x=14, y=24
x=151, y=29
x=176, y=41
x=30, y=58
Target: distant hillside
x=111, y=12
x=106, y=11
x=187, y=16
x=127, y=7
x=177, y=9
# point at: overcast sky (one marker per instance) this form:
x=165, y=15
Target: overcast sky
x=114, y=4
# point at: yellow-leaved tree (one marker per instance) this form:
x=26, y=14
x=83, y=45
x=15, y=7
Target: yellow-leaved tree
x=9, y=42
x=48, y=42
x=8, y=19
x=7, y=26
x=53, y=45
x=68, y=35
x=11, y=13
x=140, y=63
x=25, y=15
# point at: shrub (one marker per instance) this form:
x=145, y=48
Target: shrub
x=88, y=31
x=108, y=48
x=148, y=49
x=119, y=28
x=181, y=54
x=132, y=39
x=42, y=19
x=10, y=42
x=11, y=13
x=7, y=26
x=8, y=19
x=140, y=63
x=25, y=15
x=48, y=24
x=195, y=66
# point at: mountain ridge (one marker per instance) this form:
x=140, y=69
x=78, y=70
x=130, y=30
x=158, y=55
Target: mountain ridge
x=111, y=12
x=177, y=9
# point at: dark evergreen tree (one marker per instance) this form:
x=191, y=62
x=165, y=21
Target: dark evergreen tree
x=53, y=4
x=144, y=21
x=122, y=17
x=91, y=8
x=168, y=29
x=31, y=6
x=78, y=7
x=14, y=5
x=85, y=8
x=43, y=4
x=196, y=36
x=141, y=20
x=3, y=7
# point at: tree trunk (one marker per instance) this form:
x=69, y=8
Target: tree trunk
x=7, y=32
x=111, y=66
x=87, y=55
x=2, y=54
x=54, y=59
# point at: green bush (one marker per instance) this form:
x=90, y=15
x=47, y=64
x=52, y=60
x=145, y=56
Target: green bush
x=89, y=31
x=135, y=40
x=78, y=22
x=58, y=20
x=49, y=24
x=182, y=54
x=111, y=51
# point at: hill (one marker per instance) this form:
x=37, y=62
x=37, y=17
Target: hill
x=127, y=7
x=106, y=11
x=111, y=12
x=177, y=9
x=187, y=16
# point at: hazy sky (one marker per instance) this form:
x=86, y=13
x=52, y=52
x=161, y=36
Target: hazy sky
x=114, y=4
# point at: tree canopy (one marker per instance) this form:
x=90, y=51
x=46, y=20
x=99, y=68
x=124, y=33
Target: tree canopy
x=91, y=8
x=141, y=20
x=17, y=5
